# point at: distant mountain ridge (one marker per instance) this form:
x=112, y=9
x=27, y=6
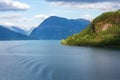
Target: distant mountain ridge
x=7, y=34
x=53, y=28
x=16, y=29
x=19, y=30
x=57, y=28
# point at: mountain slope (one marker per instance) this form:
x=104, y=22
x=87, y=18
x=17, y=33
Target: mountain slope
x=7, y=34
x=104, y=31
x=16, y=29
x=58, y=28
x=19, y=30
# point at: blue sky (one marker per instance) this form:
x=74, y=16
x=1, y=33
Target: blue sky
x=30, y=13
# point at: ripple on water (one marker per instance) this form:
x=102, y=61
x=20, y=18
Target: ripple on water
x=51, y=61
x=37, y=66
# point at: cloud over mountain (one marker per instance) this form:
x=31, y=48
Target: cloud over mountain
x=43, y=16
x=11, y=5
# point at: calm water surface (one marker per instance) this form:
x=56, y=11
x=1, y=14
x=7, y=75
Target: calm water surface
x=49, y=60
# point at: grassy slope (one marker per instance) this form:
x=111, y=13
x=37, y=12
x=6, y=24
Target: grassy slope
x=104, y=31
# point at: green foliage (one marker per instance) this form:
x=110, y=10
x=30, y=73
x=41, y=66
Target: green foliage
x=109, y=17
x=95, y=35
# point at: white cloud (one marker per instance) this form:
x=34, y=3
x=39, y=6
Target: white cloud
x=11, y=5
x=83, y=1
x=13, y=17
x=87, y=16
x=7, y=24
x=105, y=6
x=42, y=16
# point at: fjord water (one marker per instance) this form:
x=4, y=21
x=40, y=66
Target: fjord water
x=49, y=60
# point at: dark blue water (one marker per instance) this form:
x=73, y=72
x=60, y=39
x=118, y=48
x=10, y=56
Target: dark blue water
x=49, y=60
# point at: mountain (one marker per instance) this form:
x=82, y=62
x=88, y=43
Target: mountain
x=19, y=30
x=7, y=34
x=104, y=31
x=56, y=28
x=16, y=29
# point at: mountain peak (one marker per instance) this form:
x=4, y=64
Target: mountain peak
x=58, y=28
x=55, y=17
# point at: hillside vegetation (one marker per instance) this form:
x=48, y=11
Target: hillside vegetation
x=104, y=31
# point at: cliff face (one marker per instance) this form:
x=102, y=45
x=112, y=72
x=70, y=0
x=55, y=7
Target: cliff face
x=104, y=31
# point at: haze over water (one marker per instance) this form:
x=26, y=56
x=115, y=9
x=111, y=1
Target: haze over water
x=49, y=60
